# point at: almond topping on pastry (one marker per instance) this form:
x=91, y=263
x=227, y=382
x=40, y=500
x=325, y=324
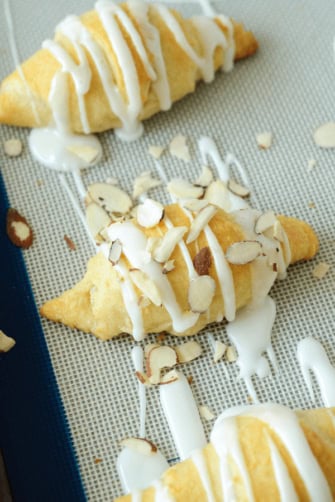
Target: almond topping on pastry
x=199, y=222
x=243, y=252
x=168, y=267
x=265, y=221
x=194, y=205
x=238, y=189
x=188, y=351
x=202, y=261
x=115, y=252
x=110, y=197
x=150, y=213
x=146, y=285
x=200, y=293
x=163, y=251
x=158, y=359
x=140, y=445
x=18, y=229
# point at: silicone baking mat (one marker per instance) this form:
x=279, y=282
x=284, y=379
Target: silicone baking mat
x=68, y=398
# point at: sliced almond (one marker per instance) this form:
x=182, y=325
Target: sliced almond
x=168, y=266
x=193, y=205
x=265, y=221
x=110, y=197
x=163, y=251
x=143, y=183
x=206, y=413
x=320, y=270
x=202, y=261
x=158, y=359
x=199, y=222
x=13, y=147
x=115, y=252
x=69, y=242
x=148, y=347
x=170, y=377
x=150, y=213
x=97, y=219
x=200, y=293
x=264, y=140
x=6, y=342
x=182, y=189
x=18, y=229
x=324, y=136
x=278, y=232
x=188, y=351
x=143, y=301
x=152, y=244
x=140, y=445
x=178, y=148
x=156, y=151
x=238, y=189
x=86, y=153
x=205, y=178
x=219, y=350
x=243, y=252
x=217, y=194
x=231, y=354
x=146, y=286
x=142, y=377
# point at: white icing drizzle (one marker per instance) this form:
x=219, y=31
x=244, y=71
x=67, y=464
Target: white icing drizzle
x=313, y=358
x=285, y=485
x=138, y=357
x=134, y=247
x=250, y=333
x=183, y=417
x=162, y=492
x=185, y=252
x=285, y=425
x=200, y=463
x=136, y=496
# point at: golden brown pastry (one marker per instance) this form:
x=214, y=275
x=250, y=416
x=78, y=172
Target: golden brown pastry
x=262, y=453
x=181, y=274
x=116, y=65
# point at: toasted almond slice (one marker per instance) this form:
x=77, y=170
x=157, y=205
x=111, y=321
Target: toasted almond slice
x=206, y=413
x=264, y=140
x=148, y=347
x=205, y=178
x=320, y=270
x=168, y=266
x=150, y=213
x=18, y=229
x=146, y=285
x=202, y=261
x=6, y=342
x=182, y=189
x=265, y=221
x=324, y=136
x=143, y=183
x=194, y=205
x=110, y=197
x=200, y=293
x=163, y=251
x=159, y=358
x=238, y=189
x=140, y=445
x=243, y=252
x=219, y=350
x=188, y=351
x=278, y=232
x=115, y=252
x=217, y=194
x=178, y=148
x=156, y=151
x=142, y=377
x=199, y=222
x=231, y=354
x=86, y=153
x=97, y=219
x=13, y=147
x=170, y=377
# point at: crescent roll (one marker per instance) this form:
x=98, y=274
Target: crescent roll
x=119, y=64
x=186, y=271
x=262, y=453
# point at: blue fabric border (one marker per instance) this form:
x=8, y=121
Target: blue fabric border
x=34, y=435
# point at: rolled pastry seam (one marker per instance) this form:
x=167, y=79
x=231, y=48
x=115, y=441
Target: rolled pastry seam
x=86, y=39
x=97, y=303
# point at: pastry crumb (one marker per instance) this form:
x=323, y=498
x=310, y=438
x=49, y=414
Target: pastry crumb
x=6, y=342
x=324, y=136
x=190, y=379
x=320, y=270
x=112, y=181
x=311, y=205
x=13, y=147
x=69, y=242
x=178, y=148
x=206, y=413
x=311, y=164
x=156, y=151
x=97, y=461
x=264, y=140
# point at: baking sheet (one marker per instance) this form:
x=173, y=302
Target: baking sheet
x=287, y=88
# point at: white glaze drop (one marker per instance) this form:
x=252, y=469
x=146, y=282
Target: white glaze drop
x=183, y=417
x=250, y=333
x=313, y=358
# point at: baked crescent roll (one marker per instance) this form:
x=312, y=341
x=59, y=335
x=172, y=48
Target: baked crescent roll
x=261, y=453
x=117, y=65
x=179, y=275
